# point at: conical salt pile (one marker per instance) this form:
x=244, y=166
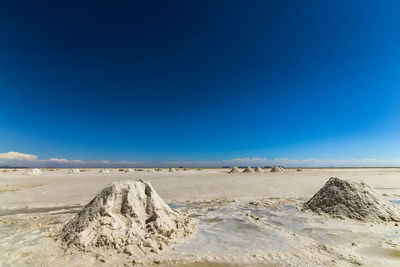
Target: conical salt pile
x=150, y=170
x=172, y=170
x=104, y=171
x=74, y=171
x=276, y=169
x=129, y=170
x=129, y=217
x=235, y=169
x=341, y=198
x=258, y=169
x=34, y=172
x=248, y=170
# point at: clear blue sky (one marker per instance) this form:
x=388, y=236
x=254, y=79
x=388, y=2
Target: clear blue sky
x=200, y=80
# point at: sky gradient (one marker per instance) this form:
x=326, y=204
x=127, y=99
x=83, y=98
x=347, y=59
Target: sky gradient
x=200, y=81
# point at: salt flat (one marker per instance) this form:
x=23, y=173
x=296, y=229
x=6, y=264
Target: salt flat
x=243, y=219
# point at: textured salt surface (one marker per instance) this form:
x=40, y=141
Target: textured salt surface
x=233, y=227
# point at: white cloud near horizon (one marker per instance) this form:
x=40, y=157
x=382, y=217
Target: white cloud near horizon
x=58, y=160
x=17, y=155
x=17, y=159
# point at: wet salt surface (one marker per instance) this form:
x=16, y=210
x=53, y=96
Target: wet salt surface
x=386, y=188
x=395, y=199
x=232, y=227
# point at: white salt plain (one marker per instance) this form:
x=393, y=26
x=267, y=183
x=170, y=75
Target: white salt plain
x=243, y=219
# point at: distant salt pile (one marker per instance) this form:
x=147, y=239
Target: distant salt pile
x=248, y=170
x=104, y=171
x=158, y=169
x=341, y=198
x=258, y=169
x=276, y=169
x=74, y=171
x=172, y=170
x=129, y=170
x=235, y=169
x=34, y=172
x=129, y=217
x=150, y=170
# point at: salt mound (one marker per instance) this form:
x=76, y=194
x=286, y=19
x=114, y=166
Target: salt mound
x=104, y=171
x=276, y=169
x=34, y=172
x=235, y=169
x=150, y=170
x=341, y=198
x=74, y=171
x=158, y=169
x=129, y=217
x=129, y=170
x=248, y=170
x=172, y=170
x=258, y=169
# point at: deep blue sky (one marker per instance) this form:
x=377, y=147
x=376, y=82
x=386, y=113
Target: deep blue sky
x=200, y=80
